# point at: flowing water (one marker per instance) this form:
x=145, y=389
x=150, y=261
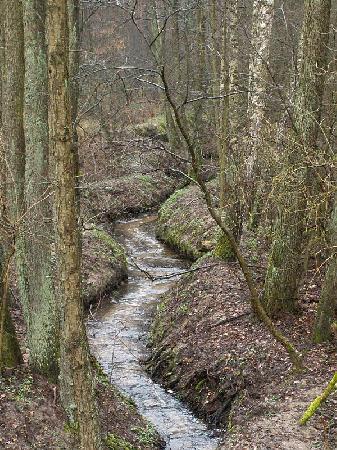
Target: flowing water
x=118, y=336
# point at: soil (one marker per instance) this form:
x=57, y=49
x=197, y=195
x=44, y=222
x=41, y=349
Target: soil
x=31, y=415
x=104, y=265
x=209, y=348
x=129, y=177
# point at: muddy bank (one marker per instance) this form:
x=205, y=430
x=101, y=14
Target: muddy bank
x=31, y=416
x=184, y=222
x=207, y=347
x=115, y=198
x=126, y=176
x=104, y=265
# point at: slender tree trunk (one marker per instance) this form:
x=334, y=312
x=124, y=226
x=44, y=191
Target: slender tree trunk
x=10, y=354
x=228, y=125
x=77, y=383
x=11, y=153
x=285, y=266
x=235, y=121
x=200, y=80
x=262, y=21
x=43, y=324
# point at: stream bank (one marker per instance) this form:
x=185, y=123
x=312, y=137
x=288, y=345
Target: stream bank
x=208, y=347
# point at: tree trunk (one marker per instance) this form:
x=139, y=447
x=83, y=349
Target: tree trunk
x=228, y=127
x=77, y=383
x=328, y=303
x=43, y=322
x=285, y=266
x=10, y=354
x=13, y=135
x=262, y=21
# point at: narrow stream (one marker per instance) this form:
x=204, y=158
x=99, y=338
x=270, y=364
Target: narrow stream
x=119, y=331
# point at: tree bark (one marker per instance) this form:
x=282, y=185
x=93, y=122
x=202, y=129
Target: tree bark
x=262, y=21
x=10, y=354
x=285, y=266
x=76, y=377
x=43, y=322
x=328, y=300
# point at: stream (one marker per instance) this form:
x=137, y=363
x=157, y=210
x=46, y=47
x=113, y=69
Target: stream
x=118, y=335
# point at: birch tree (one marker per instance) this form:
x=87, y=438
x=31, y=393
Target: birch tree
x=262, y=21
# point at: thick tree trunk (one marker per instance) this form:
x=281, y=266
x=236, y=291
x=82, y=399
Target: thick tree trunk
x=13, y=135
x=77, y=384
x=43, y=324
x=285, y=266
x=328, y=300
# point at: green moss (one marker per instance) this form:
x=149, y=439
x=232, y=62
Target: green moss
x=183, y=308
x=155, y=126
x=223, y=248
x=115, y=442
x=200, y=385
x=146, y=179
x=182, y=224
x=147, y=435
x=170, y=204
x=116, y=249
x=24, y=389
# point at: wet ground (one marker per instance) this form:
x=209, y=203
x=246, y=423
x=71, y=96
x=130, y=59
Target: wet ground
x=118, y=336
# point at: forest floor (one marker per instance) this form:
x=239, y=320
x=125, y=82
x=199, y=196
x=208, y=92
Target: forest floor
x=32, y=418
x=209, y=348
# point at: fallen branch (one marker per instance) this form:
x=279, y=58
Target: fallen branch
x=170, y=275
x=315, y=404
x=231, y=319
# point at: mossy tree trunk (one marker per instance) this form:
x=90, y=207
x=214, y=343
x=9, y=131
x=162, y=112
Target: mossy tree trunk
x=76, y=377
x=14, y=142
x=328, y=299
x=43, y=317
x=285, y=266
x=10, y=354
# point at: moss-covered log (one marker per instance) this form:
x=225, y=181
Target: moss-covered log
x=312, y=408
